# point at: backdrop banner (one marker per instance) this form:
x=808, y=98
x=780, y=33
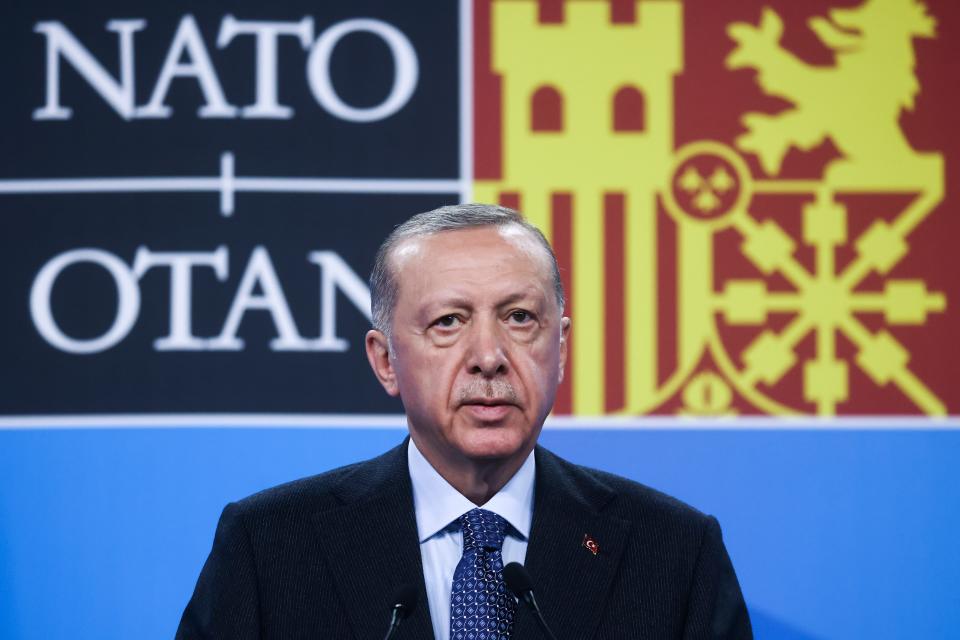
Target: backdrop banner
x=754, y=208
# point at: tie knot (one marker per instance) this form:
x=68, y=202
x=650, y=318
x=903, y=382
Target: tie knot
x=482, y=529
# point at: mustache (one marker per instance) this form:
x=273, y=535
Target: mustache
x=496, y=391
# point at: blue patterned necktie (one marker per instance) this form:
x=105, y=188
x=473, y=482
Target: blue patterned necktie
x=481, y=608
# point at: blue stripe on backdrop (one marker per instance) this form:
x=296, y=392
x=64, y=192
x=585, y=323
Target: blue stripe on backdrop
x=835, y=534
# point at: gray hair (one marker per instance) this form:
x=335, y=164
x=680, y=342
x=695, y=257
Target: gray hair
x=383, y=283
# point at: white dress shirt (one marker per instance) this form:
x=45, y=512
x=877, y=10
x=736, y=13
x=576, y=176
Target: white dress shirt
x=438, y=505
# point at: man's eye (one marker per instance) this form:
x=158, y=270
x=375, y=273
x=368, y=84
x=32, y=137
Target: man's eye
x=520, y=316
x=447, y=321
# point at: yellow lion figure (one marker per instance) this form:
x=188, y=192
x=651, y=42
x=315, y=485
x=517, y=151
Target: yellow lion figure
x=856, y=103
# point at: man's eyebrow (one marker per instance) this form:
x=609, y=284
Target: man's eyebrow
x=453, y=300
x=526, y=294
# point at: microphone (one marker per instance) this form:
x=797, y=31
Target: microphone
x=519, y=582
x=404, y=602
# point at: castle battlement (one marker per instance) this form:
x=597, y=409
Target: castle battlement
x=586, y=60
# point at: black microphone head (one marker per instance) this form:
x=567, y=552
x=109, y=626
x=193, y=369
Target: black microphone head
x=405, y=599
x=517, y=579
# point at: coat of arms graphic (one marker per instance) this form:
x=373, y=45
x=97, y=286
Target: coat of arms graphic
x=747, y=222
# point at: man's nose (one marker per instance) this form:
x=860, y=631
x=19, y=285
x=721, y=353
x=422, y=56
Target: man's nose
x=487, y=355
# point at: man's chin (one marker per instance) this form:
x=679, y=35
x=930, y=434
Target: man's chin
x=493, y=442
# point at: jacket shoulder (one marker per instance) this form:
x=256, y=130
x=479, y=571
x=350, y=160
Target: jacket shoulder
x=317, y=490
x=606, y=492
x=633, y=497
x=324, y=491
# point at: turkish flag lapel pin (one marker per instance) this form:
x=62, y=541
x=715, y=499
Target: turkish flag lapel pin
x=590, y=544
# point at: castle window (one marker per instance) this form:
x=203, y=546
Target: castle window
x=629, y=111
x=546, y=110
x=550, y=11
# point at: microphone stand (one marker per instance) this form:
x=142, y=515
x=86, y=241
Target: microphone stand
x=531, y=602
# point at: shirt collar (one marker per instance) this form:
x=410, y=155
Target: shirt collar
x=437, y=503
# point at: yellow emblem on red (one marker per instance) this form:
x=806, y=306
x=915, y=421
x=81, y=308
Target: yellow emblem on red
x=761, y=268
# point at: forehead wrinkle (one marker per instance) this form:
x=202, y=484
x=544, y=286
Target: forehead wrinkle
x=414, y=254
x=515, y=235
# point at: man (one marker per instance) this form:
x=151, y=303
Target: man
x=470, y=334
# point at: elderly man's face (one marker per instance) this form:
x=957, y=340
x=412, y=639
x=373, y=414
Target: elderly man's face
x=478, y=342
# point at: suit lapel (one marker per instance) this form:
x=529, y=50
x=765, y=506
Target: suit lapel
x=371, y=546
x=570, y=582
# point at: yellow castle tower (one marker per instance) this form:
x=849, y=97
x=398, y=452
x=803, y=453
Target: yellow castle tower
x=588, y=111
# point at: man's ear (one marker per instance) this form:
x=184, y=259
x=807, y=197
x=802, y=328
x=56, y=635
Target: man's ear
x=564, y=345
x=378, y=355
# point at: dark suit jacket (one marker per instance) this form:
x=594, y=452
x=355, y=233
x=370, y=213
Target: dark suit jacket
x=320, y=558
